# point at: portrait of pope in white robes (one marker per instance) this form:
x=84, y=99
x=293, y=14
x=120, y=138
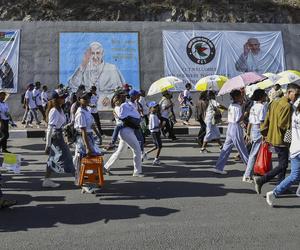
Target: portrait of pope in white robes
x=105, y=60
x=254, y=59
x=94, y=71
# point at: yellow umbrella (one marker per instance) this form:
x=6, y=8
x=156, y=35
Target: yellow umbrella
x=272, y=80
x=163, y=84
x=288, y=76
x=213, y=82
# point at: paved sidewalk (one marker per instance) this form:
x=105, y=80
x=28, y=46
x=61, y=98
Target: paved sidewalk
x=107, y=126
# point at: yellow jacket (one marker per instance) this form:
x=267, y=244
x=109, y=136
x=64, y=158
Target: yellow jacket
x=277, y=121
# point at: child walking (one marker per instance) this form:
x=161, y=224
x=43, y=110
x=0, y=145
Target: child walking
x=234, y=136
x=154, y=127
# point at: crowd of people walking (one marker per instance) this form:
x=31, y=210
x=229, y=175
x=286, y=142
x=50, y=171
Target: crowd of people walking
x=252, y=122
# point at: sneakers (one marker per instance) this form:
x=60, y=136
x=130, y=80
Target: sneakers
x=6, y=151
x=204, y=150
x=237, y=158
x=270, y=197
x=48, y=183
x=137, y=175
x=89, y=190
x=298, y=191
x=7, y=203
x=28, y=126
x=144, y=156
x=156, y=162
x=247, y=179
x=110, y=146
x=222, y=172
x=257, y=184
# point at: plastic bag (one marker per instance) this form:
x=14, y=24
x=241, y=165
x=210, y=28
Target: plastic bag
x=263, y=160
x=12, y=162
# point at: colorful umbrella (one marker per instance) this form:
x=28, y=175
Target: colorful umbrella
x=271, y=81
x=240, y=82
x=163, y=84
x=288, y=76
x=213, y=82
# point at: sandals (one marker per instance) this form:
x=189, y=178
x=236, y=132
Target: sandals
x=6, y=203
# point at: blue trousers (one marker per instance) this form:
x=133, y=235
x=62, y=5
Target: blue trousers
x=291, y=179
x=234, y=137
x=256, y=142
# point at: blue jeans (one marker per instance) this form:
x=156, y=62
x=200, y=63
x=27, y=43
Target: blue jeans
x=116, y=133
x=291, y=179
x=256, y=143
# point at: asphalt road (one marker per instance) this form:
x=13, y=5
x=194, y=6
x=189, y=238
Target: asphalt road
x=178, y=205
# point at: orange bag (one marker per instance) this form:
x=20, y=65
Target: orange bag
x=263, y=160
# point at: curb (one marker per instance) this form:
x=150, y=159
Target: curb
x=40, y=133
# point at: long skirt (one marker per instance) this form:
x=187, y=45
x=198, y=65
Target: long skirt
x=60, y=159
x=212, y=132
x=80, y=152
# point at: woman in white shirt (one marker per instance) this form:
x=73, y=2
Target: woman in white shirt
x=256, y=117
x=295, y=159
x=235, y=135
x=127, y=113
x=212, y=130
x=85, y=144
x=60, y=158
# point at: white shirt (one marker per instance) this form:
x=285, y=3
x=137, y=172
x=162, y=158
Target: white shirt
x=256, y=114
x=45, y=98
x=128, y=109
x=143, y=103
x=295, y=145
x=187, y=95
x=30, y=101
x=56, y=119
x=234, y=113
x=83, y=119
x=117, y=114
x=93, y=104
x=4, y=110
x=154, y=123
x=37, y=97
x=210, y=110
x=165, y=113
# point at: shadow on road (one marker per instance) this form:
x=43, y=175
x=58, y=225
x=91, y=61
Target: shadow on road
x=133, y=190
x=49, y=215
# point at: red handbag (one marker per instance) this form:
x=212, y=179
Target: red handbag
x=263, y=160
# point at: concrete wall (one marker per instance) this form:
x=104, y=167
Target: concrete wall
x=40, y=42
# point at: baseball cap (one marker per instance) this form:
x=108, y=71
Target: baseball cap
x=84, y=95
x=57, y=94
x=152, y=104
x=133, y=92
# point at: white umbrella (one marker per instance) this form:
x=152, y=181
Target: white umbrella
x=163, y=84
